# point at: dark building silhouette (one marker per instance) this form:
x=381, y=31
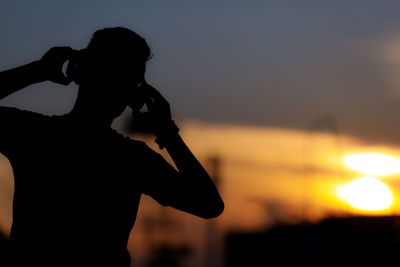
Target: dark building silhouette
x=355, y=240
x=3, y=249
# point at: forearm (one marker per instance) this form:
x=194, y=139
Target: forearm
x=196, y=177
x=15, y=79
x=193, y=190
x=183, y=158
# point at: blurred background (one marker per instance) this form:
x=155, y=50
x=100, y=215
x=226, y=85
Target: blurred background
x=291, y=106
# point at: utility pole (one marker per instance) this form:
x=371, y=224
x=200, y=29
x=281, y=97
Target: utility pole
x=213, y=245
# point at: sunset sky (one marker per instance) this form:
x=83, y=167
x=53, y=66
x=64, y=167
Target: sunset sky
x=268, y=63
x=268, y=176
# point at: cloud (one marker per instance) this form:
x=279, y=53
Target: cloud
x=390, y=52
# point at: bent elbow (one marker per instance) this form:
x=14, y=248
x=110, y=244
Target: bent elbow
x=215, y=210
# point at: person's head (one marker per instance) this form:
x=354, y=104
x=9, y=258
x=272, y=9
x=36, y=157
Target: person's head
x=111, y=68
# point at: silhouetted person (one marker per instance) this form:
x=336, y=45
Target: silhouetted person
x=77, y=181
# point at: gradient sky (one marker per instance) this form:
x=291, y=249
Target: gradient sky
x=267, y=63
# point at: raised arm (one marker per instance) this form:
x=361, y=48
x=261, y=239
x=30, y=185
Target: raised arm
x=194, y=192
x=49, y=67
x=203, y=199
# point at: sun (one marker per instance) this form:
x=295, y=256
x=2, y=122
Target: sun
x=374, y=164
x=366, y=193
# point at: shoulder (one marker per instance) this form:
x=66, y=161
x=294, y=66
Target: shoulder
x=13, y=111
x=13, y=115
x=19, y=129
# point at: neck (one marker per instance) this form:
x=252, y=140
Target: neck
x=87, y=114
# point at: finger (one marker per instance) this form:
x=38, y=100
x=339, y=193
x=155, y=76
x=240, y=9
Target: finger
x=59, y=51
x=149, y=102
x=156, y=95
x=62, y=79
x=66, y=81
x=61, y=54
x=65, y=53
x=153, y=91
x=137, y=114
x=148, y=98
x=140, y=116
x=64, y=50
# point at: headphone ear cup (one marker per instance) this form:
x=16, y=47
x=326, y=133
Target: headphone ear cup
x=73, y=68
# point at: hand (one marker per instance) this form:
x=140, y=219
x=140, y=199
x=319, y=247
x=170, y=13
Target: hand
x=158, y=116
x=158, y=107
x=50, y=65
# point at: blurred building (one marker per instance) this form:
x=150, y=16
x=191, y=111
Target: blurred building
x=354, y=240
x=3, y=249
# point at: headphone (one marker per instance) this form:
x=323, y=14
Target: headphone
x=75, y=65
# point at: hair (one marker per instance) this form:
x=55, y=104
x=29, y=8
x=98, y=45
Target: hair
x=119, y=42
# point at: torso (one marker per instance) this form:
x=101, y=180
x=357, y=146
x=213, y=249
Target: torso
x=75, y=192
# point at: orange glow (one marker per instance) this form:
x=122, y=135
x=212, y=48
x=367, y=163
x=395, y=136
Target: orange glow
x=267, y=175
x=366, y=193
x=375, y=164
